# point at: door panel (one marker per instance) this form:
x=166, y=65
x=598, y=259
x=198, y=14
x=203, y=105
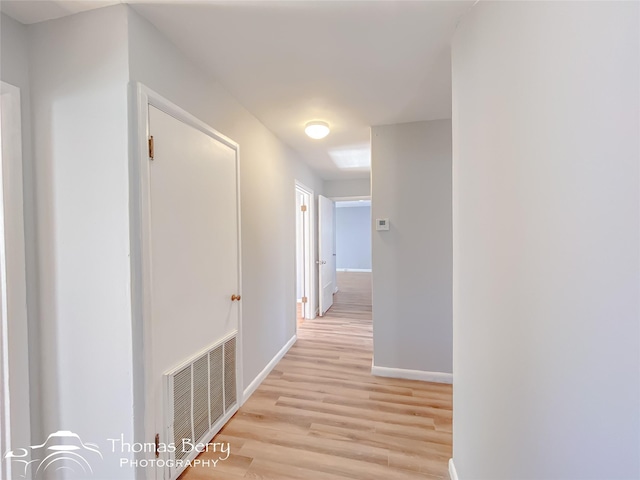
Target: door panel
x=326, y=252
x=194, y=246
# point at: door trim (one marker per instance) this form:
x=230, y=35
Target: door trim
x=15, y=425
x=140, y=234
x=310, y=265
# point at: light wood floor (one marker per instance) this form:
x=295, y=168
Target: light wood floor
x=320, y=415
x=299, y=316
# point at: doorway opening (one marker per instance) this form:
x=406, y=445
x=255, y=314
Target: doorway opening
x=352, y=239
x=305, y=299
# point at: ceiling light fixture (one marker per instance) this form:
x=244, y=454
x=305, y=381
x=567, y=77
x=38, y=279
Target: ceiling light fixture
x=317, y=129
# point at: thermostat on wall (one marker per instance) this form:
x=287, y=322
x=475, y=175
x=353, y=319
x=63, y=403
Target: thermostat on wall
x=382, y=224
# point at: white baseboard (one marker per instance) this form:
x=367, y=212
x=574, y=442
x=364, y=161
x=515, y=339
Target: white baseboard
x=353, y=270
x=437, y=377
x=267, y=370
x=453, y=475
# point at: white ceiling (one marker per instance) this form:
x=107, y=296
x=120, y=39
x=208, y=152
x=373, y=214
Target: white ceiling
x=352, y=64
x=35, y=11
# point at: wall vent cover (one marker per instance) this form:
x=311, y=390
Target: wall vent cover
x=199, y=394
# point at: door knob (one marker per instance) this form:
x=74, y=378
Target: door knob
x=235, y=297
x=321, y=262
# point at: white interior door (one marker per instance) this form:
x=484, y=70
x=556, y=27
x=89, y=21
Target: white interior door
x=194, y=247
x=326, y=252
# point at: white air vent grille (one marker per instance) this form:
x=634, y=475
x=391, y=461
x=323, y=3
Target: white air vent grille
x=216, y=383
x=229, y=373
x=201, y=423
x=182, y=408
x=199, y=394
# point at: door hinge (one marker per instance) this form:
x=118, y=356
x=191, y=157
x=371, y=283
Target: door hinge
x=303, y=208
x=304, y=300
x=151, y=150
x=157, y=445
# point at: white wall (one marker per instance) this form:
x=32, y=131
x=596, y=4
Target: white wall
x=546, y=241
x=79, y=74
x=267, y=175
x=412, y=262
x=360, y=187
x=14, y=69
x=81, y=67
x=353, y=237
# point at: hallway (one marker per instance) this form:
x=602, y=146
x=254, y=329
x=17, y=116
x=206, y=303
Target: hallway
x=320, y=415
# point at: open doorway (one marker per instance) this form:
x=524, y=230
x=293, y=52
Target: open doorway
x=353, y=241
x=304, y=257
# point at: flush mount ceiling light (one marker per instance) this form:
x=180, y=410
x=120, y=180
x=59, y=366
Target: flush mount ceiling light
x=317, y=129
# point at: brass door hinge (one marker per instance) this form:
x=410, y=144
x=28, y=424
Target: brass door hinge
x=303, y=208
x=157, y=438
x=304, y=300
x=151, y=150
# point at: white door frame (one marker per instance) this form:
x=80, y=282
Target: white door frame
x=140, y=225
x=349, y=199
x=309, y=312
x=15, y=425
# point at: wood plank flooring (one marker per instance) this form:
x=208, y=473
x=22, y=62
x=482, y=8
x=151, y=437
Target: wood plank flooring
x=321, y=415
x=299, y=315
